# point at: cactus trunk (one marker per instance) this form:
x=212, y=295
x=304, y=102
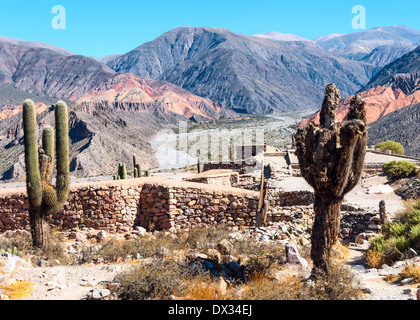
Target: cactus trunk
x=331, y=160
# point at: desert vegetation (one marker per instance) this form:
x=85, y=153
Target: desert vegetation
x=393, y=146
x=395, y=170
x=398, y=239
x=44, y=198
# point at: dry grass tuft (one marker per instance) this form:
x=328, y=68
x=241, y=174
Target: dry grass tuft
x=17, y=290
x=411, y=271
x=375, y=259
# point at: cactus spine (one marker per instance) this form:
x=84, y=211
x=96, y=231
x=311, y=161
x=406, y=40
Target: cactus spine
x=45, y=199
x=331, y=160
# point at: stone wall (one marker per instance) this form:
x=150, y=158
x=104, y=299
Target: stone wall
x=278, y=198
x=223, y=177
x=119, y=206
x=242, y=167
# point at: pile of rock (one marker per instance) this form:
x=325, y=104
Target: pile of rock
x=410, y=189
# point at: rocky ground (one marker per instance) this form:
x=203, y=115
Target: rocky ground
x=95, y=281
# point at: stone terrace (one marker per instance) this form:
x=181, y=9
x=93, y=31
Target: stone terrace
x=121, y=205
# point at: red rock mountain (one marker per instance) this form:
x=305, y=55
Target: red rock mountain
x=380, y=101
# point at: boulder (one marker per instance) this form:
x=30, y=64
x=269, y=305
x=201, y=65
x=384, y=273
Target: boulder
x=295, y=260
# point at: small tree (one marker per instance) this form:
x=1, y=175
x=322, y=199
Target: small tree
x=331, y=160
x=393, y=146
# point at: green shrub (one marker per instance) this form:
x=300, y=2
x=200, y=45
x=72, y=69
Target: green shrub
x=414, y=236
x=399, y=169
x=395, y=147
x=396, y=238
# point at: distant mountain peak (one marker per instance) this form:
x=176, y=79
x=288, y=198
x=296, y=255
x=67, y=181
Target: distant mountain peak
x=35, y=44
x=278, y=36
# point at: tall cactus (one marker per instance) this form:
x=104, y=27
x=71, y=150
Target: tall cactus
x=331, y=160
x=45, y=199
x=122, y=170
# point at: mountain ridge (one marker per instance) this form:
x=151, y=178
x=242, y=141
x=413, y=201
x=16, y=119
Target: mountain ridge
x=244, y=73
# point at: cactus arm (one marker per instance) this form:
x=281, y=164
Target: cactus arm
x=48, y=146
x=33, y=177
x=62, y=149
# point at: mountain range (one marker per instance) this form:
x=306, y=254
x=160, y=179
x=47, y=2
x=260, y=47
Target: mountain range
x=247, y=74
x=118, y=102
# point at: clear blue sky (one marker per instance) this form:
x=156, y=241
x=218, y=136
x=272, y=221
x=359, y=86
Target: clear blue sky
x=99, y=28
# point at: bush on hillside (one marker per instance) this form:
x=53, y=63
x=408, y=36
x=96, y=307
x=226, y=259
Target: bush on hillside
x=395, y=147
x=399, y=169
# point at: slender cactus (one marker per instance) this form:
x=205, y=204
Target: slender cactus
x=199, y=166
x=138, y=167
x=331, y=160
x=45, y=199
x=122, y=172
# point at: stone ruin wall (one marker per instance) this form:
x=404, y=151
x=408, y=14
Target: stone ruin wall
x=120, y=206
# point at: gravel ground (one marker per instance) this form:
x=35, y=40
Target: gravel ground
x=68, y=282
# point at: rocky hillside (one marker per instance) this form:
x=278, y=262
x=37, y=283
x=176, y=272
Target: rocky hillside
x=402, y=126
x=113, y=116
x=102, y=134
x=403, y=74
x=244, y=73
x=46, y=74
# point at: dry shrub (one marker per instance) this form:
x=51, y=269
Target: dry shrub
x=411, y=270
x=205, y=238
x=341, y=251
x=17, y=290
x=114, y=250
x=336, y=284
x=207, y=288
x=392, y=278
x=260, y=287
x=55, y=253
x=375, y=259
x=155, y=281
x=20, y=244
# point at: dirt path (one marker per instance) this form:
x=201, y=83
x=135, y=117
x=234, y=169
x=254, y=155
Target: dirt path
x=372, y=281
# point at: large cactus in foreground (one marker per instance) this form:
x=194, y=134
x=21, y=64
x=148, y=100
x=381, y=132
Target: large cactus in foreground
x=45, y=199
x=331, y=160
